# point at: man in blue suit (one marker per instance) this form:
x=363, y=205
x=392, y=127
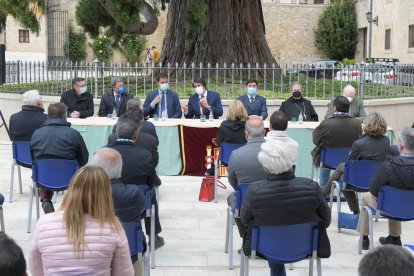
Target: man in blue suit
x=254, y=104
x=162, y=100
x=202, y=102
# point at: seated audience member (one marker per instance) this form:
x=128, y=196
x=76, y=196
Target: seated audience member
x=356, y=107
x=296, y=104
x=57, y=140
x=162, y=100
x=78, y=100
x=278, y=125
x=12, y=262
x=373, y=145
x=114, y=100
x=84, y=237
x=31, y=117
x=129, y=201
x=244, y=167
x=232, y=129
x=254, y=104
x=138, y=167
x=338, y=131
x=202, y=102
x=398, y=172
x=283, y=199
x=387, y=260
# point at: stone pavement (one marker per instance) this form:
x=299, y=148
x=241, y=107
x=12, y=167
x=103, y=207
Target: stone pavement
x=194, y=231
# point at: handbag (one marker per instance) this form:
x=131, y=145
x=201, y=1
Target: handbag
x=207, y=189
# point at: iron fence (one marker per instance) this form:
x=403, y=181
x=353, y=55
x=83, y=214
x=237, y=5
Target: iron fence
x=370, y=80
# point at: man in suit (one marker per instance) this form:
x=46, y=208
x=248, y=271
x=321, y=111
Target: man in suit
x=244, y=167
x=356, y=108
x=202, y=102
x=162, y=100
x=254, y=104
x=78, y=100
x=114, y=100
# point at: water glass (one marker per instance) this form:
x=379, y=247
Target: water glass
x=203, y=118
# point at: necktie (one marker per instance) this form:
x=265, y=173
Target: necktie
x=251, y=102
x=162, y=103
x=117, y=100
x=203, y=109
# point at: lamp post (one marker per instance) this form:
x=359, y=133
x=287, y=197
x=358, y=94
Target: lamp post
x=370, y=21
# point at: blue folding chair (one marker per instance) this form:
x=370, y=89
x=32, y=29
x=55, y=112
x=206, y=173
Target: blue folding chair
x=150, y=212
x=1, y=214
x=358, y=175
x=241, y=192
x=51, y=174
x=392, y=203
x=133, y=231
x=285, y=244
x=21, y=157
x=330, y=158
x=222, y=160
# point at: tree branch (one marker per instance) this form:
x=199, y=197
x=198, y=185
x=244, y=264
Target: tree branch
x=144, y=28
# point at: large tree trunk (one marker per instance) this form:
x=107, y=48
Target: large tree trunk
x=233, y=32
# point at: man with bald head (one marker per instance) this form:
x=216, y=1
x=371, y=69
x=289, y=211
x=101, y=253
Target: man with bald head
x=356, y=107
x=244, y=166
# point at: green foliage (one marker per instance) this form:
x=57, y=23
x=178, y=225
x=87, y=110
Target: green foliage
x=102, y=48
x=336, y=33
x=196, y=17
x=345, y=62
x=90, y=15
x=75, y=46
x=132, y=46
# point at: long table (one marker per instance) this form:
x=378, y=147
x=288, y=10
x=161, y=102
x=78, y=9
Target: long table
x=183, y=142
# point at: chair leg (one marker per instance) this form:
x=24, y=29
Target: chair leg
x=157, y=195
x=36, y=190
x=331, y=195
x=152, y=238
x=246, y=265
x=55, y=196
x=146, y=264
x=319, y=266
x=226, y=243
x=3, y=228
x=311, y=264
x=20, y=178
x=29, y=215
x=215, y=179
x=11, y=182
x=371, y=229
x=377, y=214
x=230, y=225
x=338, y=203
x=242, y=263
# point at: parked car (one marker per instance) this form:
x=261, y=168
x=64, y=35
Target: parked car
x=320, y=69
x=359, y=72
x=386, y=76
x=405, y=75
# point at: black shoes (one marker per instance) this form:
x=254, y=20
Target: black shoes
x=365, y=243
x=47, y=206
x=390, y=240
x=159, y=242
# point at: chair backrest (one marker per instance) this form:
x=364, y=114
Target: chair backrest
x=21, y=153
x=54, y=173
x=133, y=231
x=226, y=149
x=332, y=157
x=396, y=203
x=241, y=192
x=146, y=190
x=359, y=173
x=286, y=243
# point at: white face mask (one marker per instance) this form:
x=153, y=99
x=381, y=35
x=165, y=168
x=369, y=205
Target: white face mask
x=199, y=90
x=349, y=99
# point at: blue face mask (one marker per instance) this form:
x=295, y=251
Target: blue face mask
x=121, y=90
x=83, y=90
x=164, y=86
x=251, y=91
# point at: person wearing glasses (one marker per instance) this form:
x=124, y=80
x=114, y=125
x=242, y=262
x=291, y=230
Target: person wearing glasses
x=78, y=100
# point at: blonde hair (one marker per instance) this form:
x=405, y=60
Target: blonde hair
x=237, y=111
x=375, y=124
x=89, y=193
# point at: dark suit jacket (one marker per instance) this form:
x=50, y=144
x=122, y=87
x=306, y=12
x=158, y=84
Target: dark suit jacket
x=108, y=103
x=23, y=123
x=83, y=103
x=173, y=105
x=258, y=108
x=213, y=100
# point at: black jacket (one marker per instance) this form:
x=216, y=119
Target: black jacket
x=293, y=107
x=396, y=171
x=83, y=103
x=129, y=201
x=284, y=200
x=370, y=148
x=23, y=123
x=138, y=165
x=56, y=139
x=231, y=132
x=108, y=103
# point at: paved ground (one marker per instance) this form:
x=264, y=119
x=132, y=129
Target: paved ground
x=194, y=231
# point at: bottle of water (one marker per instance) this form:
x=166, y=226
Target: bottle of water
x=300, y=118
x=114, y=115
x=211, y=116
x=164, y=115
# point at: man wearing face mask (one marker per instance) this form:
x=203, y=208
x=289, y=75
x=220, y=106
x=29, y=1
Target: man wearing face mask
x=296, y=104
x=254, y=104
x=163, y=100
x=356, y=108
x=115, y=100
x=202, y=102
x=78, y=101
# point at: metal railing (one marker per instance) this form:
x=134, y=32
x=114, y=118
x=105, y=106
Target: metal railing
x=370, y=80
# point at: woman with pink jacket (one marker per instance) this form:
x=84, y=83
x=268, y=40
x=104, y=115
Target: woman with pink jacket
x=84, y=237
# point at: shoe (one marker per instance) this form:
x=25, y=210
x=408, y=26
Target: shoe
x=390, y=240
x=365, y=244
x=159, y=242
x=47, y=207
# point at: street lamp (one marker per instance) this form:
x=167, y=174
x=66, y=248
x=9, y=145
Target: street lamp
x=370, y=20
